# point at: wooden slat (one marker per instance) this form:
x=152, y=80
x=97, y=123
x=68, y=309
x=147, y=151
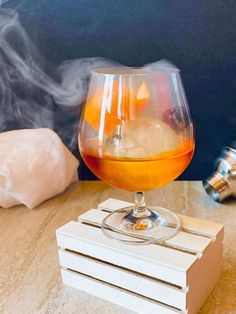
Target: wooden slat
x=200, y=226
x=182, y=240
x=191, y=224
x=115, y=295
x=156, y=261
x=125, y=279
x=112, y=204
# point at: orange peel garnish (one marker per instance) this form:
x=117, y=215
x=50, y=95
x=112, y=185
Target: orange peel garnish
x=112, y=107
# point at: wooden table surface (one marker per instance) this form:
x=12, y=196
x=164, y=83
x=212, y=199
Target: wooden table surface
x=29, y=270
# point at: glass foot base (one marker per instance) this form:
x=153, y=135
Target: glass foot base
x=131, y=222
x=158, y=225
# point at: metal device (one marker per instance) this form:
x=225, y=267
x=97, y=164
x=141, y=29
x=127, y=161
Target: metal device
x=222, y=184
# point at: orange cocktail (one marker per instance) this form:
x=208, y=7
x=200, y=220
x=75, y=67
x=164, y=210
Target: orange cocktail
x=139, y=174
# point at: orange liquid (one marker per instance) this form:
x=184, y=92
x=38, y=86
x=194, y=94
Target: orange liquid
x=140, y=174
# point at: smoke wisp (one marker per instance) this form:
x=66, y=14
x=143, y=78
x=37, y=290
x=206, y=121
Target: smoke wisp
x=30, y=98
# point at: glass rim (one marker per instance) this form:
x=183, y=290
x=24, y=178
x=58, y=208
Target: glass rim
x=230, y=148
x=133, y=71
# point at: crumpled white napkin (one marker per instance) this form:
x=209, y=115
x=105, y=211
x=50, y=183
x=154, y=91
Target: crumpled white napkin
x=34, y=166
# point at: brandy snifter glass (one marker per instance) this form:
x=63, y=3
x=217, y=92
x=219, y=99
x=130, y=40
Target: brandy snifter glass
x=136, y=134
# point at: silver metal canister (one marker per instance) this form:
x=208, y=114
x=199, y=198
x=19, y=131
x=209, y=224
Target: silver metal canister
x=222, y=183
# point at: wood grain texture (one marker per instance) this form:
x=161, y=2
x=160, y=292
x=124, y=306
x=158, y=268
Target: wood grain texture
x=30, y=279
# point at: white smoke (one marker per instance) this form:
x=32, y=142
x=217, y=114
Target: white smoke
x=32, y=98
x=2, y=2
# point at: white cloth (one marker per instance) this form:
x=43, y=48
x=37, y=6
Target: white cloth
x=34, y=166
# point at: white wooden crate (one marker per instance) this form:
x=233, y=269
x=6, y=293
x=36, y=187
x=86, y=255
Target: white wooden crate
x=175, y=276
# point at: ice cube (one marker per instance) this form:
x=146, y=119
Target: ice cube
x=141, y=138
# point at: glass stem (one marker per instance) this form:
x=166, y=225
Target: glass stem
x=140, y=209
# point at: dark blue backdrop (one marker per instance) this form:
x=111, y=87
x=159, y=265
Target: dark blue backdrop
x=198, y=36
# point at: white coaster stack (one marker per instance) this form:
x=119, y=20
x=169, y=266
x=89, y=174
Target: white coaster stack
x=168, y=278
